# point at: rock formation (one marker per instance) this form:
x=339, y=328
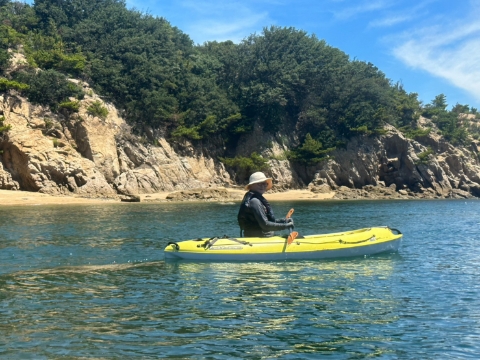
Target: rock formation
x=83, y=154
x=86, y=155
x=427, y=168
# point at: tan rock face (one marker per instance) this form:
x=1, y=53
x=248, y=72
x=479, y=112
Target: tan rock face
x=394, y=160
x=45, y=163
x=6, y=181
x=153, y=169
x=83, y=154
x=271, y=147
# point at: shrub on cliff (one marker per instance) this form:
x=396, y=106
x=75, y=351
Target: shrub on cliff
x=49, y=87
x=415, y=133
x=97, y=109
x=72, y=64
x=4, y=128
x=243, y=166
x=424, y=156
x=310, y=152
x=6, y=84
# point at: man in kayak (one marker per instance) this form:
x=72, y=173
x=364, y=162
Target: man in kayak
x=255, y=217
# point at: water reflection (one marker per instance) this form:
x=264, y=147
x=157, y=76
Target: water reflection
x=256, y=299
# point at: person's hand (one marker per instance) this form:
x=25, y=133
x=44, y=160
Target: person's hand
x=289, y=222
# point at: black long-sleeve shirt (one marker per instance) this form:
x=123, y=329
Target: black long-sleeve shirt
x=255, y=221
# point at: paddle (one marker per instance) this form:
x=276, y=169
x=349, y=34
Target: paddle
x=293, y=234
x=289, y=214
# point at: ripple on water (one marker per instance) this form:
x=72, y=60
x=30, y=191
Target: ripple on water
x=88, y=281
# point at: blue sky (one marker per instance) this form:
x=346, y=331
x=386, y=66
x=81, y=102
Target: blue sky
x=430, y=46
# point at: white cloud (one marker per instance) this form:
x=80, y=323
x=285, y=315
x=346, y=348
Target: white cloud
x=390, y=21
x=398, y=16
x=450, y=51
x=364, y=7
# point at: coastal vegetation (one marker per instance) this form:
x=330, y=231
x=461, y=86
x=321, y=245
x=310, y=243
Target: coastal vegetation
x=244, y=166
x=3, y=127
x=96, y=109
x=283, y=80
x=423, y=157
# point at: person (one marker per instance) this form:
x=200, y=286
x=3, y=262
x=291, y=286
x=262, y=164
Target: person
x=255, y=217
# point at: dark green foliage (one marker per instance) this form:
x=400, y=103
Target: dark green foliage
x=208, y=126
x=310, y=152
x=141, y=63
x=414, y=133
x=449, y=122
x=405, y=106
x=6, y=84
x=424, y=157
x=186, y=132
x=55, y=59
x=8, y=38
x=18, y=16
x=4, y=60
x=4, y=128
x=15, y=19
x=97, y=109
x=461, y=109
x=49, y=87
x=69, y=106
x=285, y=79
x=244, y=166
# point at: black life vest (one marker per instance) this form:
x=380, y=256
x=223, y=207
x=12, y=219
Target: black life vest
x=246, y=218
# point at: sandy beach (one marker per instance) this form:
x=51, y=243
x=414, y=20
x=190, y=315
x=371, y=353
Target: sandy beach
x=8, y=197
x=19, y=198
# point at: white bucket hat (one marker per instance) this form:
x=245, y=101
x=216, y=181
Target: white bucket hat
x=259, y=177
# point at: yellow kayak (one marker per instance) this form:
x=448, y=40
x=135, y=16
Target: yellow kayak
x=359, y=242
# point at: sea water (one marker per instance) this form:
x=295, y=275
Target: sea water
x=90, y=281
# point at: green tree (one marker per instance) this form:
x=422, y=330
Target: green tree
x=48, y=87
x=461, y=109
x=244, y=166
x=310, y=152
x=448, y=122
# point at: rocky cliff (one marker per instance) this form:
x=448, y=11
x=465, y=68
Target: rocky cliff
x=82, y=154
x=428, y=167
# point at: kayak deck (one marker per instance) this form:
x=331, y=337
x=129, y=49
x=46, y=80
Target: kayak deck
x=359, y=242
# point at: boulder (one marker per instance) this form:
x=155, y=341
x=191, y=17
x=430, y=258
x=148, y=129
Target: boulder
x=217, y=194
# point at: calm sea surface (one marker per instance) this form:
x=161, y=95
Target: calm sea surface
x=91, y=282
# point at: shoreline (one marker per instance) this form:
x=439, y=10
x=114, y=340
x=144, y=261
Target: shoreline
x=216, y=195
x=27, y=198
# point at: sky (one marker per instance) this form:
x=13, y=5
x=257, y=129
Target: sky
x=432, y=47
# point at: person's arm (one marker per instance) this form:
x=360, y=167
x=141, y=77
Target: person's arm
x=283, y=220
x=261, y=217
